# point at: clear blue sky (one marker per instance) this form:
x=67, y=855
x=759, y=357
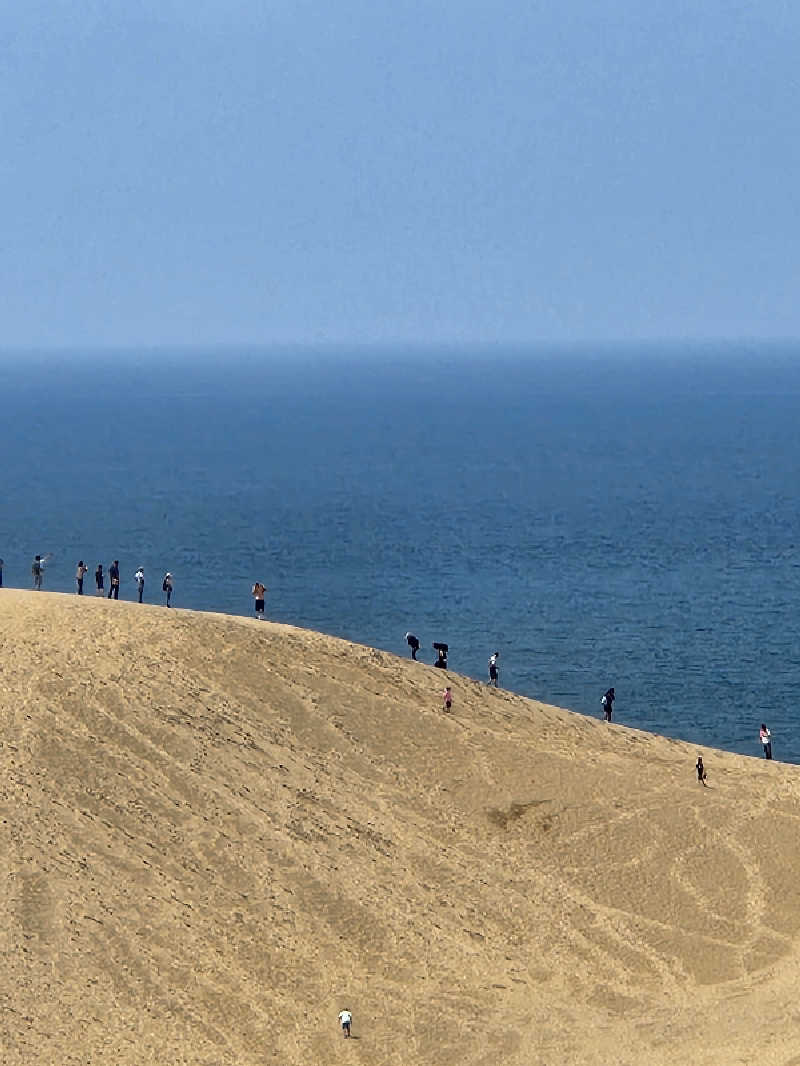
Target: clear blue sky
x=213, y=171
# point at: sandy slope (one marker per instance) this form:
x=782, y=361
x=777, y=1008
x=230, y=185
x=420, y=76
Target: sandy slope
x=216, y=833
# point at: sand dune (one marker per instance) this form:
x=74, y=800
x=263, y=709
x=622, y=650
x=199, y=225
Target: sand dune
x=219, y=832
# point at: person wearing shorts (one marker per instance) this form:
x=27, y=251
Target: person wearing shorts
x=259, y=592
x=345, y=1018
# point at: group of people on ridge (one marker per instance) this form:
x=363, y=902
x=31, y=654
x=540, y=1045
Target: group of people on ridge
x=440, y=661
x=40, y=562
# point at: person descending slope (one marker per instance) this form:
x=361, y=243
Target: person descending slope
x=413, y=643
x=701, y=771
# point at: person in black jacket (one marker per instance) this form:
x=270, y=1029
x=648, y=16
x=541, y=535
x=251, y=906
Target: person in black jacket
x=413, y=643
x=113, y=575
x=608, y=704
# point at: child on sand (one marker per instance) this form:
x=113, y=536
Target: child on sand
x=447, y=698
x=345, y=1019
x=701, y=771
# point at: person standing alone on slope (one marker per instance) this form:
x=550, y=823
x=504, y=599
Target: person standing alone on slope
x=258, y=593
x=766, y=741
x=608, y=704
x=493, y=668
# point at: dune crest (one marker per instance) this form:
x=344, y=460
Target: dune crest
x=217, y=833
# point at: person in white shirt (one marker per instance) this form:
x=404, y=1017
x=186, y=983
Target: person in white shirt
x=766, y=741
x=139, y=579
x=493, y=668
x=345, y=1018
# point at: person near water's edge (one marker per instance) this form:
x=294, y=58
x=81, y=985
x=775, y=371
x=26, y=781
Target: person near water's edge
x=258, y=593
x=36, y=570
x=81, y=571
x=113, y=575
x=701, y=771
x=413, y=643
x=441, y=654
x=166, y=585
x=138, y=577
x=766, y=741
x=1, y=573
x=345, y=1020
x=99, y=580
x=608, y=704
x=493, y=668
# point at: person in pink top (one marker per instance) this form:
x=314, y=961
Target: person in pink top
x=447, y=698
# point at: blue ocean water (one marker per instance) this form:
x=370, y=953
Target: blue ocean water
x=601, y=516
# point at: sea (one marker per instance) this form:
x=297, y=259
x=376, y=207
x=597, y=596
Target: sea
x=600, y=515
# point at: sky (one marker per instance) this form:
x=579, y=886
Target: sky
x=359, y=171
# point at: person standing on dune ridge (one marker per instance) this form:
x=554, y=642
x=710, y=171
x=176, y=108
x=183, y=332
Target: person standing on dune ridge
x=766, y=741
x=80, y=573
x=259, y=592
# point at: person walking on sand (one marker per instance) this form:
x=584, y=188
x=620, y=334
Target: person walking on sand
x=493, y=668
x=608, y=704
x=113, y=577
x=413, y=643
x=80, y=573
x=766, y=741
x=345, y=1020
x=99, y=581
x=258, y=593
x=138, y=577
x=166, y=585
x=701, y=771
x=447, y=699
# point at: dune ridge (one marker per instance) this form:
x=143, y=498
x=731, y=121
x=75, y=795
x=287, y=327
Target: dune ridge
x=218, y=832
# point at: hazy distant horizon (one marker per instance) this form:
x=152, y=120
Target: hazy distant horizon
x=239, y=174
